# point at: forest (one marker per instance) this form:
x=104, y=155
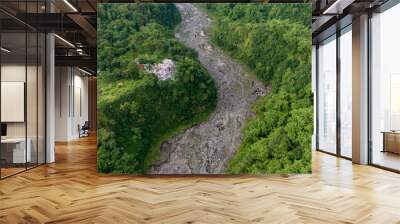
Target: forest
x=139, y=109
x=136, y=110
x=274, y=41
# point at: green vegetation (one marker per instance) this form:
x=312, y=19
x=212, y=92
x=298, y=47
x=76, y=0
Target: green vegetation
x=274, y=41
x=136, y=111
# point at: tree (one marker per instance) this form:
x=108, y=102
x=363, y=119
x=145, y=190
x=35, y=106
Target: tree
x=135, y=109
x=274, y=41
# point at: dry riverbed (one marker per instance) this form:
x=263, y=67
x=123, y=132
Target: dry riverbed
x=207, y=147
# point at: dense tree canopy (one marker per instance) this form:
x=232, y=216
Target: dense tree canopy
x=260, y=12
x=136, y=110
x=274, y=41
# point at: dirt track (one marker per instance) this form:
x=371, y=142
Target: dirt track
x=206, y=148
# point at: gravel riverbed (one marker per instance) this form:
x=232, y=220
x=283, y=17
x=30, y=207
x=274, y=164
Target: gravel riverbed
x=207, y=147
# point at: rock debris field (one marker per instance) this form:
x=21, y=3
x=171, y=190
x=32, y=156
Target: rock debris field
x=207, y=147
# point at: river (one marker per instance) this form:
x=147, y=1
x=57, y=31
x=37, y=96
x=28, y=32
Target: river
x=207, y=147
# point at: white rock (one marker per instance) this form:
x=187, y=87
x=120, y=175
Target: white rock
x=164, y=70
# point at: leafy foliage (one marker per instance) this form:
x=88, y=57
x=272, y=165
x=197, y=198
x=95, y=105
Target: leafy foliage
x=275, y=42
x=135, y=108
x=261, y=13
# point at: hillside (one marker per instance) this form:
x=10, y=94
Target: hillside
x=274, y=41
x=136, y=109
